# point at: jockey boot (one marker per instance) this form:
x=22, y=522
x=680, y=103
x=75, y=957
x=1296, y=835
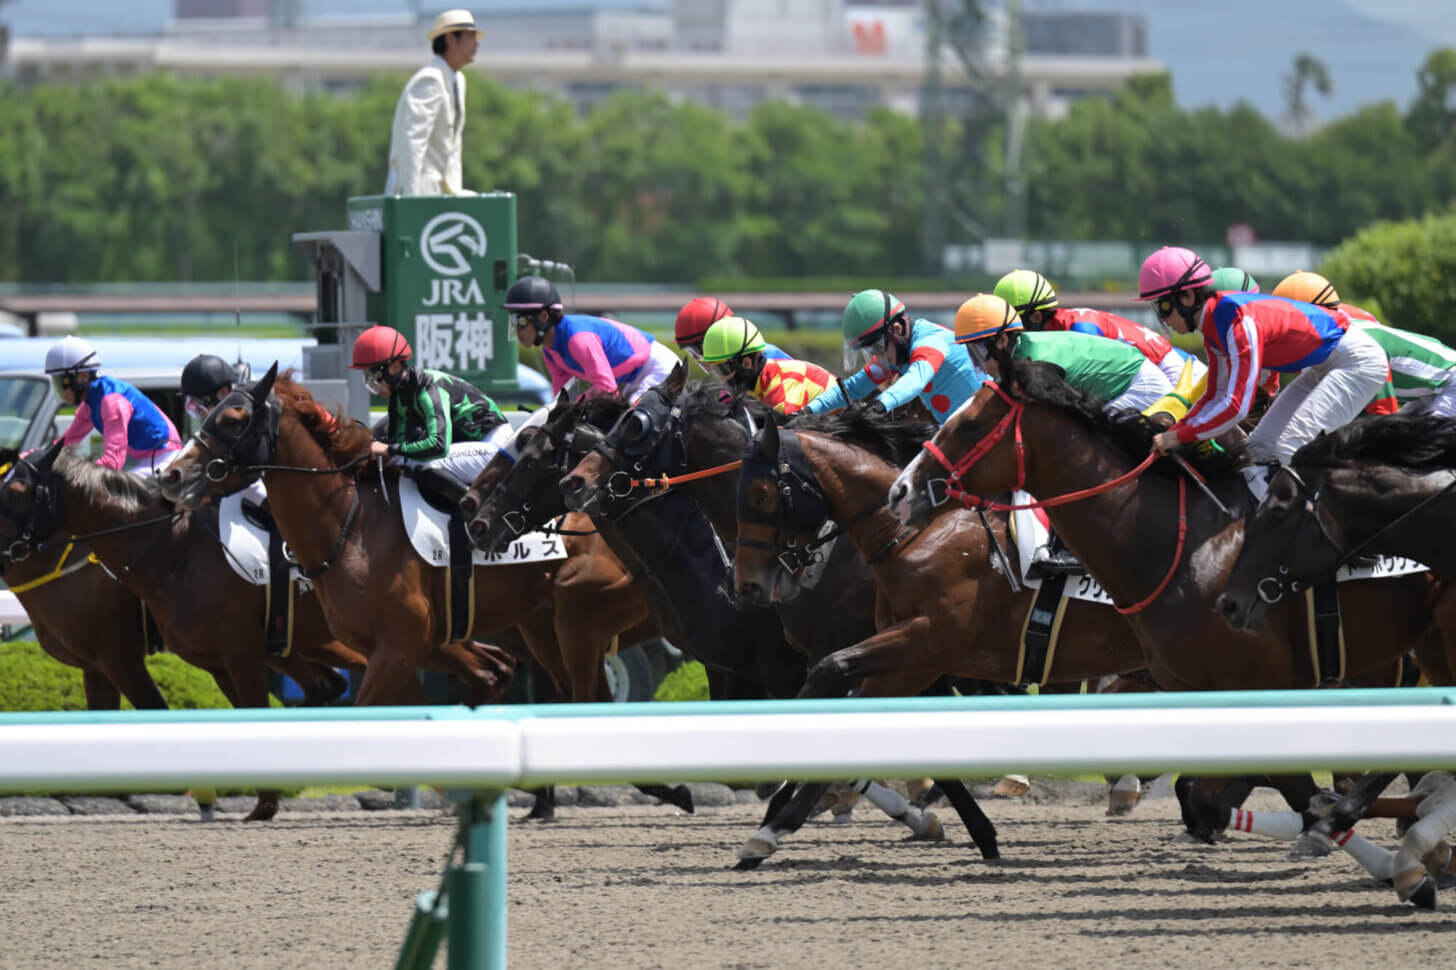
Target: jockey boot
x=1257, y=477
x=440, y=489
x=1053, y=559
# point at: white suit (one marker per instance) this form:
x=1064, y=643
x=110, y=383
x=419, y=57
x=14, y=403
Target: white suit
x=429, y=128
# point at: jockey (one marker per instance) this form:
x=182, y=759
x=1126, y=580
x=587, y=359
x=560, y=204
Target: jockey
x=1245, y=332
x=444, y=427
x=693, y=321
x=1421, y=368
x=1226, y=279
x=132, y=427
x=734, y=350
x=916, y=359
x=608, y=355
x=1036, y=302
x=207, y=379
x=1115, y=373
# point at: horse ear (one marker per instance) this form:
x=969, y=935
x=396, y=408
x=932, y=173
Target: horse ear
x=48, y=457
x=264, y=387
x=1007, y=369
x=768, y=442
x=676, y=381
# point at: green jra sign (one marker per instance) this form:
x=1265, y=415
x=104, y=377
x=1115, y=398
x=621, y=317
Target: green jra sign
x=446, y=263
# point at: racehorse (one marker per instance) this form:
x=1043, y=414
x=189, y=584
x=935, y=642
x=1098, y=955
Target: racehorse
x=670, y=431
x=1154, y=543
x=343, y=524
x=208, y=616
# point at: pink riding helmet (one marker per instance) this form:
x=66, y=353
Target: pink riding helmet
x=1170, y=269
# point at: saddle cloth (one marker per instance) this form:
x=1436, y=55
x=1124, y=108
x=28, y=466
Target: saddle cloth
x=1029, y=529
x=245, y=543
x=428, y=530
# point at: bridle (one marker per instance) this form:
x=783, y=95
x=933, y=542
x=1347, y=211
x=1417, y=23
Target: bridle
x=801, y=509
x=1273, y=589
x=512, y=494
x=261, y=436
x=1011, y=423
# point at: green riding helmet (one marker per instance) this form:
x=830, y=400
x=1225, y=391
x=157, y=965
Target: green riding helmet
x=1231, y=278
x=731, y=337
x=1026, y=290
x=865, y=321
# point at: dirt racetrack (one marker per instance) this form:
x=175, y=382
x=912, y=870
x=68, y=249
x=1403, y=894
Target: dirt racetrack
x=645, y=887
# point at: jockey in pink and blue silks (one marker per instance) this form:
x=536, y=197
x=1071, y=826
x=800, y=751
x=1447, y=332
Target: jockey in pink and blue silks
x=135, y=433
x=608, y=355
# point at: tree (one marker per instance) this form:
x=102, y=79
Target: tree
x=1309, y=71
x=1433, y=112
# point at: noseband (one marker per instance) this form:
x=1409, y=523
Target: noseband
x=942, y=490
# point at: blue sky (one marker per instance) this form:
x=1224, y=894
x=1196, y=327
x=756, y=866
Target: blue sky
x=1218, y=52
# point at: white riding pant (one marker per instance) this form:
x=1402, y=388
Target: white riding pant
x=659, y=365
x=1442, y=404
x=1147, y=386
x=467, y=459
x=1322, y=398
x=148, y=465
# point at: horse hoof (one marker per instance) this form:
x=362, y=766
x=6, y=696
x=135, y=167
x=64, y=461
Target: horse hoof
x=842, y=818
x=1188, y=838
x=930, y=829
x=748, y=865
x=207, y=813
x=754, y=851
x=682, y=797
x=1120, y=803
x=1011, y=786
x=1423, y=894
x=1311, y=845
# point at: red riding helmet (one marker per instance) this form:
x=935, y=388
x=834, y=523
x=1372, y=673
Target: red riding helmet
x=379, y=345
x=694, y=319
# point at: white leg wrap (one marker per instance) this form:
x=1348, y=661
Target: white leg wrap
x=1271, y=825
x=1127, y=783
x=1438, y=816
x=891, y=803
x=1379, y=862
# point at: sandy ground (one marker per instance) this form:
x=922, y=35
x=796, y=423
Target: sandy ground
x=645, y=887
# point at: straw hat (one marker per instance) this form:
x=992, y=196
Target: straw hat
x=451, y=21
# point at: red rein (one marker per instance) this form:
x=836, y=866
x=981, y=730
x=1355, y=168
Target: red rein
x=1012, y=422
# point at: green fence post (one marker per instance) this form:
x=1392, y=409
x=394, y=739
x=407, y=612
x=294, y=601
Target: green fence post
x=426, y=930
x=477, y=888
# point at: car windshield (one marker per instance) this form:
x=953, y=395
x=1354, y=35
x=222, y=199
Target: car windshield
x=20, y=399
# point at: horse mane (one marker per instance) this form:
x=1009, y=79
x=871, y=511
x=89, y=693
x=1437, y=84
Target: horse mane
x=341, y=438
x=718, y=401
x=1420, y=442
x=107, y=488
x=896, y=440
x=1130, y=433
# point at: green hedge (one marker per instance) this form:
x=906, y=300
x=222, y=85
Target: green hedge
x=30, y=680
x=689, y=682
x=1404, y=272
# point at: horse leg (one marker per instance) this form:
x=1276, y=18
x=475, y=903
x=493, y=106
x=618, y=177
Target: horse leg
x=1318, y=839
x=790, y=817
x=900, y=649
x=1423, y=860
x=126, y=667
x=982, y=832
x=544, y=809
x=246, y=680
x=321, y=685
x=485, y=668
x=101, y=693
x=390, y=679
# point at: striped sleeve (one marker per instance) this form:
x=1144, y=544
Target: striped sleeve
x=1233, y=376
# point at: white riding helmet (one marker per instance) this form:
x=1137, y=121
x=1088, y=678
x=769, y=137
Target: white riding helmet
x=71, y=354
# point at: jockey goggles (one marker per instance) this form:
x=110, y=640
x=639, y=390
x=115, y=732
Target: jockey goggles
x=859, y=351
x=202, y=405
x=376, y=378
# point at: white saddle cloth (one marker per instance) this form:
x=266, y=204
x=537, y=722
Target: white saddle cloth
x=245, y=544
x=428, y=530
x=1030, y=532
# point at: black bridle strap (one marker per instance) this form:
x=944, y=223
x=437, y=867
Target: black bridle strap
x=1354, y=552
x=344, y=530
x=45, y=544
x=347, y=466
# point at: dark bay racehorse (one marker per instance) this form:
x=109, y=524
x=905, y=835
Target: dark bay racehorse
x=1155, y=544
x=1383, y=485
x=208, y=615
x=345, y=529
x=679, y=432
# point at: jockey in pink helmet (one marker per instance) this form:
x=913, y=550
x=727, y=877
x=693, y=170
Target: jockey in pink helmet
x=1339, y=369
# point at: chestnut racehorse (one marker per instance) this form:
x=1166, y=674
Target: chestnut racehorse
x=208, y=615
x=342, y=522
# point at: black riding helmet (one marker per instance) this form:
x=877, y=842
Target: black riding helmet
x=207, y=374
x=528, y=296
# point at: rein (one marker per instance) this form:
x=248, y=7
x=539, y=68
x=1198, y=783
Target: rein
x=1281, y=584
x=665, y=482
x=950, y=487
x=61, y=569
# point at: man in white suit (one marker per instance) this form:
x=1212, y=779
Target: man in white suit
x=429, y=121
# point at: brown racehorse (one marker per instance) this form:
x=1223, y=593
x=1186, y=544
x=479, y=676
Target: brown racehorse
x=1130, y=538
x=208, y=616
x=344, y=527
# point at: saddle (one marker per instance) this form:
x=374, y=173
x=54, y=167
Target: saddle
x=255, y=549
x=443, y=493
